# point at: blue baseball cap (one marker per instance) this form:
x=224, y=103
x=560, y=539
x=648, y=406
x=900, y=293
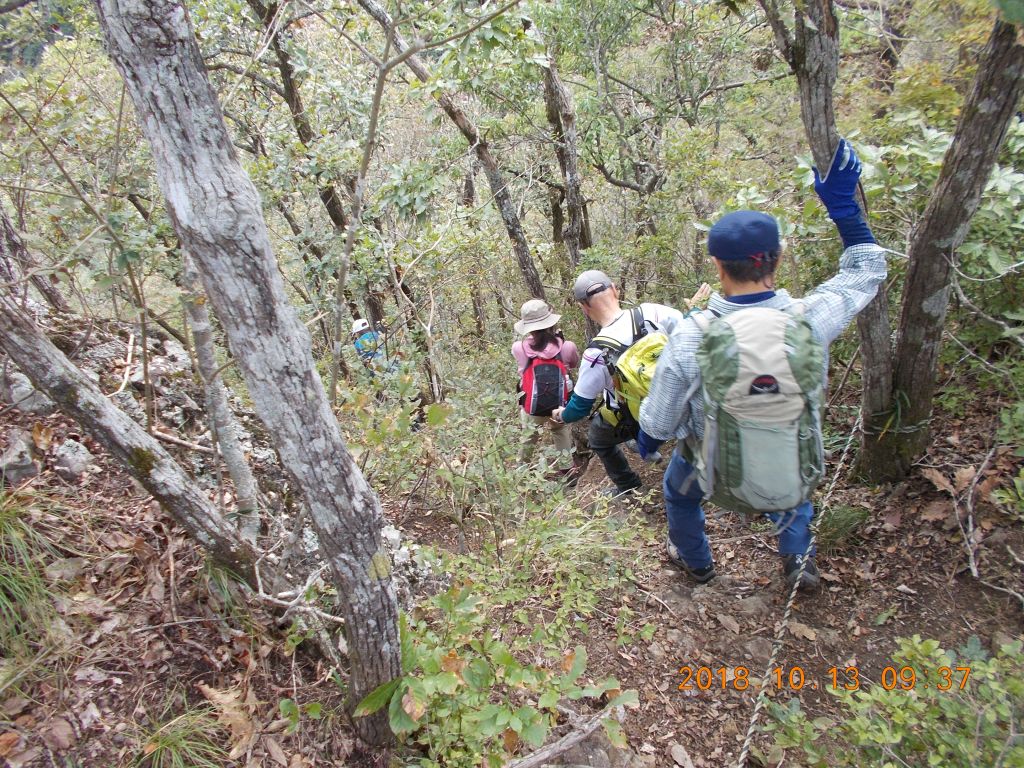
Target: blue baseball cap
x=742, y=235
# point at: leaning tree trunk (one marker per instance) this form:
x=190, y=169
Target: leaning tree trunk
x=13, y=250
x=225, y=426
x=812, y=51
x=499, y=189
x=51, y=372
x=217, y=215
x=984, y=120
x=562, y=118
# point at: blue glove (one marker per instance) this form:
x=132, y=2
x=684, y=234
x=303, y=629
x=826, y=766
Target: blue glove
x=648, y=446
x=836, y=190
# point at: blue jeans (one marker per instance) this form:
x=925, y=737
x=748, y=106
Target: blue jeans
x=686, y=517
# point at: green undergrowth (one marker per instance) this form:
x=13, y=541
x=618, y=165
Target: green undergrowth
x=27, y=612
x=184, y=740
x=929, y=707
x=489, y=661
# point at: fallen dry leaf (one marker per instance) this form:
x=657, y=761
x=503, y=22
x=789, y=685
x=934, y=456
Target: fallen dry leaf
x=232, y=713
x=510, y=739
x=729, y=623
x=42, y=436
x=936, y=511
x=802, y=630
x=963, y=477
x=8, y=741
x=58, y=734
x=681, y=756
x=939, y=480
x=276, y=752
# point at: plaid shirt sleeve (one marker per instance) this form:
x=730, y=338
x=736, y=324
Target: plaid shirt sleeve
x=834, y=303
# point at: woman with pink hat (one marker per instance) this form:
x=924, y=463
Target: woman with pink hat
x=544, y=358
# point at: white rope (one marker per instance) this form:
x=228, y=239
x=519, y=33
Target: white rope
x=780, y=633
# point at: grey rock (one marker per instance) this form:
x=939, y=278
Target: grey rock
x=759, y=648
x=17, y=463
x=681, y=644
x=656, y=650
x=25, y=397
x=105, y=355
x=127, y=403
x=71, y=459
x=177, y=354
x=755, y=606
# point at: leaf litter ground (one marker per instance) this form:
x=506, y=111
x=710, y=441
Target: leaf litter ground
x=142, y=633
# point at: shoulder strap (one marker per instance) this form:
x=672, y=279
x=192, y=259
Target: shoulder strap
x=639, y=324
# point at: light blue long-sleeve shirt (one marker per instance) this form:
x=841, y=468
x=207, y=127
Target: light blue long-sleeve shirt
x=665, y=413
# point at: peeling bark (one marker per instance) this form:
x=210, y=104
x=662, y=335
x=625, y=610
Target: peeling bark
x=140, y=453
x=217, y=214
x=495, y=178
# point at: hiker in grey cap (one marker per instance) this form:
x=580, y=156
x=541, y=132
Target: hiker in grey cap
x=612, y=425
x=758, y=349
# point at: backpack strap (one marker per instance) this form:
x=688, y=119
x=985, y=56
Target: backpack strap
x=636, y=315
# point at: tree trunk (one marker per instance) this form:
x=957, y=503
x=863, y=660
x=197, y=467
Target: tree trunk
x=217, y=214
x=467, y=199
x=562, y=117
x=812, y=52
x=225, y=426
x=300, y=120
x=140, y=453
x=495, y=178
x=984, y=120
x=13, y=250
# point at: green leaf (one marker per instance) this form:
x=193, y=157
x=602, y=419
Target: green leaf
x=613, y=730
x=313, y=710
x=535, y=733
x=399, y=719
x=548, y=700
x=625, y=699
x=376, y=698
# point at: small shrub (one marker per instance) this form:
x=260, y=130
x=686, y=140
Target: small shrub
x=26, y=598
x=971, y=720
x=840, y=528
x=184, y=741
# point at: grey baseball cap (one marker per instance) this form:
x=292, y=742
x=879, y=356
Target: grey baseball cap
x=590, y=283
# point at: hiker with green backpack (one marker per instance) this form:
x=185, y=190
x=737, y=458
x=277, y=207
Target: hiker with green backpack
x=740, y=385
x=601, y=373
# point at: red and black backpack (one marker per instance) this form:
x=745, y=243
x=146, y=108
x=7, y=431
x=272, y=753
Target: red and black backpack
x=544, y=385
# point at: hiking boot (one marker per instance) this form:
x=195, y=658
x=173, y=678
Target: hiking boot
x=700, y=575
x=809, y=581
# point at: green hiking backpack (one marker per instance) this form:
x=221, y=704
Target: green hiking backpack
x=631, y=367
x=761, y=372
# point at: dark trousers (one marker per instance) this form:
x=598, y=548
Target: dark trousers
x=605, y=441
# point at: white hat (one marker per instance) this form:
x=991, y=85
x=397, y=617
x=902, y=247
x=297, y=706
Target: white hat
x=360, y=325
x=536, y=314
